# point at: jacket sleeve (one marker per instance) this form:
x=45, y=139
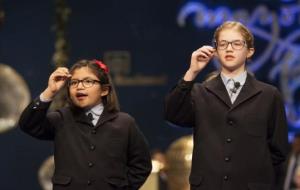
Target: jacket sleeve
x=278, y=138
x=35, y=121
x=179, y=108
x=139, y=159
x=278, y=131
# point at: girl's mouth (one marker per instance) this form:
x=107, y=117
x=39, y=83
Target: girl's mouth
x=80, y=95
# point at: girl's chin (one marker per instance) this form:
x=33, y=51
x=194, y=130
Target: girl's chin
x=81, y=104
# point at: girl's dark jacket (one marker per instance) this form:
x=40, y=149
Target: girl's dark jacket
x=111, y=155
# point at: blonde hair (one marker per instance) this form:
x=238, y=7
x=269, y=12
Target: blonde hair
x=245, y=32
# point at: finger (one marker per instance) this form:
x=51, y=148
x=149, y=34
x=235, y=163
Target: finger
x=203, y=58
x=203, y=54
x=210, y=48
x=62, y=68
x=62, y=71
x=58, y=76
x=207, y=52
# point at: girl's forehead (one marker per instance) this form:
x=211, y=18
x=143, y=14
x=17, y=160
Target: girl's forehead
x=230, y=34
x=83, y=72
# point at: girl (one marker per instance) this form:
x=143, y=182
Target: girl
x=240, y=130
x=96, y=146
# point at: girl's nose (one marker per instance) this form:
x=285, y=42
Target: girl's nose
x=80, y=85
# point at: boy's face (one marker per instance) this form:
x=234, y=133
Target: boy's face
x=233, y=59
x=86, y=97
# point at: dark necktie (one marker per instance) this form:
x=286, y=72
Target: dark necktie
x=90, y=117
x=230, y=85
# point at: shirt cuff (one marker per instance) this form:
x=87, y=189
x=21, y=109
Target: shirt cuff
x=44, y=99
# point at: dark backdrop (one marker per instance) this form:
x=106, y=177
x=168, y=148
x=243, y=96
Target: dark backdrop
x=147, y=29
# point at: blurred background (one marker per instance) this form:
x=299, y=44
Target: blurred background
x=147, y=44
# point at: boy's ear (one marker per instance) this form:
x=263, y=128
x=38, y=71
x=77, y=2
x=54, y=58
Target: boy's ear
x=216, y=54
x=104, y=90
x=250, y=52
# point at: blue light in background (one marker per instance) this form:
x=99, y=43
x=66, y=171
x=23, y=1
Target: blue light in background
x=283, y=51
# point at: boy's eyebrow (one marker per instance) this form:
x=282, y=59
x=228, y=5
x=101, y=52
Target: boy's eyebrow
x=231, y=40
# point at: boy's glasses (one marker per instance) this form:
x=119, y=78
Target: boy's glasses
x=235, y=44
x=85, y=83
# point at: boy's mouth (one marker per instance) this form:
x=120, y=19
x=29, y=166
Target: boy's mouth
x=229, y=57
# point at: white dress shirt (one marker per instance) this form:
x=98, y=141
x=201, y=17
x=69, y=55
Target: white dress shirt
x=96, y=111
x=233, y=92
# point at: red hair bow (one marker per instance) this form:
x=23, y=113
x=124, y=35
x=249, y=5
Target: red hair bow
x=102, y=66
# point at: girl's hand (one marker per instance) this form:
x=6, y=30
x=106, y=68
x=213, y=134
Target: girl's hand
x=56, y=81
x=199, y=60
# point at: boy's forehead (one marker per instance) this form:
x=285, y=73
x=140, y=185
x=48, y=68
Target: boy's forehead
x=230, y=34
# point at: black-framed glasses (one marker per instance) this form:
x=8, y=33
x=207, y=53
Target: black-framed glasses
x=85, y=83
x=235, y=44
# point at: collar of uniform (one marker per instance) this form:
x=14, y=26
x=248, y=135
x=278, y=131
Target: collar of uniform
x=96, y=110
x=80, y=115
x=251, y=87
x=241, y=78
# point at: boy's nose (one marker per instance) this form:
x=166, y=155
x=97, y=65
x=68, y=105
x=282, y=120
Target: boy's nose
x=229, y=47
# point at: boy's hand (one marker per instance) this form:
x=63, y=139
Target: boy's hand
x=199, y=60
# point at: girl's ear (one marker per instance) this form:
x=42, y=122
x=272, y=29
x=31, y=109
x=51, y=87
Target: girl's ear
x=104, y=90
x=250, y=52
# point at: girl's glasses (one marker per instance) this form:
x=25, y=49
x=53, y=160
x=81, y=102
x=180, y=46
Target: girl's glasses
x=235, y=44
x=85, y=83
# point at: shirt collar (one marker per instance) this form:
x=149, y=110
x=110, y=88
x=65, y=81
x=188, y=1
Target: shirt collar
x=241, y=78
x=96, y=110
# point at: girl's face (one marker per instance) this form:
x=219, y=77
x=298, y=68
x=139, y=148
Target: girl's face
x=233, y=57
x=85, y=89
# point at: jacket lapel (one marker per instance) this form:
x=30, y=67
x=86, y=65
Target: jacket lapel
x=217, y=87
x=249, y=90
x=81, y=117
x=106, y=116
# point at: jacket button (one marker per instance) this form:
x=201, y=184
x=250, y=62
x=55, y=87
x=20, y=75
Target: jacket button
x=92, y=147
x=91, y=164
x=94, y=131
x=227, y=159
x=230, y=122
x=225, y=177
x=89, y=182
x=228, y=140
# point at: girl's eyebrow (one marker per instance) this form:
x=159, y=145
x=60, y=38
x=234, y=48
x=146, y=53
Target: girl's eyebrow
x=84, y=78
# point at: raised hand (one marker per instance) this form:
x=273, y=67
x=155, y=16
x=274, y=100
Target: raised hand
x=199, y=60
x=56, y=81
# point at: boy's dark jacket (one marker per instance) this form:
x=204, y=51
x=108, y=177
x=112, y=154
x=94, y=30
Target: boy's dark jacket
x=236, y=147
x=111, y=155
